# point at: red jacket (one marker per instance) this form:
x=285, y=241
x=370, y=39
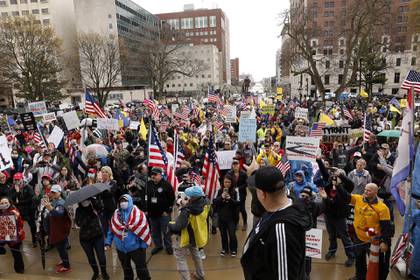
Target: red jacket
x=21, y=232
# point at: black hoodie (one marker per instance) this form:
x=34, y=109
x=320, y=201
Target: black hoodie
x=275, y=248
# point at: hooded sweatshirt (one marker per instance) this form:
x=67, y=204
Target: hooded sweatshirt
x=131, y=242
x=275, y=248
x=298, y=187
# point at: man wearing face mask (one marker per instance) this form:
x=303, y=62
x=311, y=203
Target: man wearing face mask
x=22, y=197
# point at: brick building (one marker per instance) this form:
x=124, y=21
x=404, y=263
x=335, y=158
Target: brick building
x=234, y=71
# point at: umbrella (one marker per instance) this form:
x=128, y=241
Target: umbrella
x=99, y=149
x=390, y=133
x=85, y=193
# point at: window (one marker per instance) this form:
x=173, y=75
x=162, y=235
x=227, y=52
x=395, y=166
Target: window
x=110, y=26
x=397, y=78
x=15, y=13
x=328, y=13
x=44, y=1
x=4, y=14
x=35, y=12
x=25, y=12
x=13, y=2
x=201, y=22
x=44, y=11
x=414, y=48
x=46, y=21
x=340, y=79
x=179, y=85
x=312, y=82
x=341, y=51
x=23, y=1
x=416, y=38
x=413, y=61
x=209, y=76
x=116, y=96
x=327, y=79
x=174, y=23
x=110, y=16
x=186, y=23
x=398, y=62
x=329, y=5
x=213, y=21
x=385, y=40
x=341, y=64
x=395, y=91
x=341, y=42
x=2, y=3
x=384, y=49
x=327, y=64
x=34, y=1
x=173, y=85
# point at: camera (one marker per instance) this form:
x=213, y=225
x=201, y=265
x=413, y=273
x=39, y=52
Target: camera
x=181, y=199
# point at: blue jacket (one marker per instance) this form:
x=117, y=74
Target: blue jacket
x=415, y=259
x=296, y=165
x=131, y=242
x=298, y=187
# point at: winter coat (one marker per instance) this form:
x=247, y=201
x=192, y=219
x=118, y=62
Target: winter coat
x=5, y=190
x=24, y=201
x=360, y=180
x=298, y=187
x=88, y=221
x=227, y=209
x=59, y=222
x=21, y=233
x=164, y=197
x=131, y=242
x=275, y=248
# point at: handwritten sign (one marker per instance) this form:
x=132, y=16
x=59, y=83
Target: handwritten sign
x=314, y=243
x=49, y=117
x=302, y=148
x=268, y=109
x=71, y=120
x=336, y=133
x=231, y=116
x=38, y=108
x=225, y=158
x=5, y=154
x=134, y=125
x=8, y=228
x=245, y=114
x=108, y=124
x=247, y=130
x=28, y=121
x=301, y=113
x=56, y=136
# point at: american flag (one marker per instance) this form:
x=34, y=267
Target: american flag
x=347, y=113
x=367, y=128
x=224, y=111
x=218, y=124
x=211, y=171
x=195, y=112
x=157, y=158
x=213, y=98
x=92, y=107
x=179, y=152
x=167, y=112
x=283, y=167
x=153, y=108
x=317, y=130
x=412, y=80
x=196, y=178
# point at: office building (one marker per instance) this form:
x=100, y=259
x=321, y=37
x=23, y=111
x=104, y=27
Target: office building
x=234, y=71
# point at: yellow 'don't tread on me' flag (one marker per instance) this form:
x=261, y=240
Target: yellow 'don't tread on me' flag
x=143, y=129
x=323, y=118
x=364, y=94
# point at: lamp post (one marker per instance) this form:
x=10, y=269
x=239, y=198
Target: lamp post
x=300, y=94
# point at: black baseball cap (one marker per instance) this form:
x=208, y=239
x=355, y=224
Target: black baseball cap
x=155, y=170
x=268, y=179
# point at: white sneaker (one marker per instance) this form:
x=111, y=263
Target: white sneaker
x=203, y=254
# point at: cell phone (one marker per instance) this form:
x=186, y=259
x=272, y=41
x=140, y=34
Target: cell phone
x=225, y=190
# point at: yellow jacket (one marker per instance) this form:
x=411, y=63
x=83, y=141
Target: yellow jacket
x=198, y=224
x=273, y=158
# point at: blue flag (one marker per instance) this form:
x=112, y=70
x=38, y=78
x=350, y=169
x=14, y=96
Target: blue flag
x=10, y=121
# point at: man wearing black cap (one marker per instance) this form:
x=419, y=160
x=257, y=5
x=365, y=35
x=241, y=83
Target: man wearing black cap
x=275, y=248
x=160, y=199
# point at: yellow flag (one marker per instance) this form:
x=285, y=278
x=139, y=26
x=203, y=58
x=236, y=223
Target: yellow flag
x=325, y=119
x=403, y=103
x=143, y=129
x=392, y=108
x=364, y=94
x=262, y=104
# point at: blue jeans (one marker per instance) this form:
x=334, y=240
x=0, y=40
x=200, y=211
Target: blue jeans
x=159, y=228
x=62, y=251
x=337, y=227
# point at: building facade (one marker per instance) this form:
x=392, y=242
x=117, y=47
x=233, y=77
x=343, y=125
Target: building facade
x=234, y=71
x=399, y=46
x=130, y=25
x=203, y=26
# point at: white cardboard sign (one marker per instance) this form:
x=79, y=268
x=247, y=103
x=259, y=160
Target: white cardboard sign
x=314, y=243
x=302, y=148
x=108, y=124
x=56, y=136
x=231, y=116
x=71, y=120
x=49, y=117
x=301, y=113
x=225, y=158
x=38, y=108
x=5, y=154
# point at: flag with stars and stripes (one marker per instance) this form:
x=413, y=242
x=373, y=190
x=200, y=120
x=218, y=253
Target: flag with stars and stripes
x=213, y=98
x=196, y=178
x=367, y=128
x=412, y=81
x=153, y=108
x=317, y=129
x=283, y=166
x=92, y=106
x=179, y=152
x=347, y=113
x=211, y=171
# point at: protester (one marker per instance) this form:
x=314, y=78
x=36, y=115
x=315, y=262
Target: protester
x=240, y=179
x=360, y=177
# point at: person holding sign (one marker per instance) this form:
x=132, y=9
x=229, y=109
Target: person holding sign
x=11, y=233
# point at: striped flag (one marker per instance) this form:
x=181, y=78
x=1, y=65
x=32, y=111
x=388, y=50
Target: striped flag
x=218, y=124
x=153, y=108
x=367, y=128
x=213, y=98
x=317, y=129
x=211, y=171
x=283, y=167
x=92, y=107
x=224, y=111
x=347, y=113
x=179, y=152
x=196, y=178
x=158, y=158
x=412, y=80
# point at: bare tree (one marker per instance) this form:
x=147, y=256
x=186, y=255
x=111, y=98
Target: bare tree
x=29, y=59
x=165, y=58
x=361, y=20
x=100, y=63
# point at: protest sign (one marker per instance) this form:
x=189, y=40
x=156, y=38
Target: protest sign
x=49, y=117
x=279, y=91
x=60, y=113
x=314, y=243
x=108, y=124
x=56, y=136
x=304, y=128
x=71, y=120
x=8, y=228
x=28, y=121
x=336, y=133
x=174, y=107
x=245, y=114
x=38, y=108
x=247, y=130
x=134, y=125
x=231, y=116
x=268, y=109
x=5, y=154
x=301, y=113
x=225, y=158
x=302, y=148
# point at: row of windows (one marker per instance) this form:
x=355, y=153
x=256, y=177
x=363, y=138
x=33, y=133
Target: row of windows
x=26, y=12
x=201, y=33
x=190, y=23
x=397, y=77
x=15, y=2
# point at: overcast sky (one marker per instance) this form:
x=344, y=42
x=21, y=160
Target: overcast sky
x=254, y=29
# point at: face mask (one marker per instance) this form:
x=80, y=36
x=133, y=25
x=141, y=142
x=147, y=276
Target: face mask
x=4, y=206
x=85, y=203
x=15, y=155
x=124, y=205
x=92, y=176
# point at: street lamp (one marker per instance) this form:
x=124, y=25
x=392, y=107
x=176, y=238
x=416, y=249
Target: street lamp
x=300, y=94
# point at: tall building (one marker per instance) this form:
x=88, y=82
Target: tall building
x=126, y=22
x=204, y=26
x=327, y=18
x=234, y=71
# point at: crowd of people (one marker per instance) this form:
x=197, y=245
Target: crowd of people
x=349, y=184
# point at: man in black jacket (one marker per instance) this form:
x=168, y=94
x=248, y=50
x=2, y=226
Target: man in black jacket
x=275, y=248
x=161, y=198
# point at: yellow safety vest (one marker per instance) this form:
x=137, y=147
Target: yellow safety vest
x=199, y=226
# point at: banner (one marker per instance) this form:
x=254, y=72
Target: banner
x=38, y=108
x=314, y=243
x=279, y=91
x=301, y=113
x=174, y=107
x=225, y=158
x=5, y=154
x=28, y=121
x=231, y=116
x=49, y=117
x=134, y=125
x=268, y=109
x=56, y=136
x=108, y=124
x=336, y=133
x=302, y=148
x=245, y=114
x=247, y=130
x=71, y=120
